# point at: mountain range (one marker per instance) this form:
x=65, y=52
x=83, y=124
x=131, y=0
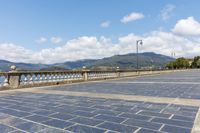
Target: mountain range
x=126, y=61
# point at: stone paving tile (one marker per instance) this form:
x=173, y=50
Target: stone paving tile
x=107, y=112
x=83, y=113
x=111, y=132
x=183, y=118
x=144, y=124
x=148, y=113
x=62, y=116
x=173, y=122
x=117, y=127
x=43, y=112
x=135, y=116
x=12, y=121
x=174, y=129
x=53, y=130
x=149, y=109
x=85, y=129
x=5, y=129
x=158, y=89
x=102, y=107
x=15, y=112
x=17, y=131
x=110, y=118
x=21, y=108
x=148, y=131
x=142, y=116
x=58, y=123
x=37, y=118
x=65, y=109
x=86, y=121
x=31, y=127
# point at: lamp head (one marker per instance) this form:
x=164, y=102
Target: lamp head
x=139, y=42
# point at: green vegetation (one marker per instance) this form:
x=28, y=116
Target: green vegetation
x=179, y=63
x=196, y=62
x=182, y=62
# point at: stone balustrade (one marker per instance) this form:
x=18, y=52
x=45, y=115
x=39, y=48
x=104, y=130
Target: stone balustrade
x=18, y=79
x=3, y=80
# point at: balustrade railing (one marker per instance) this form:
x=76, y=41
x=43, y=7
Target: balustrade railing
x=16, y=79
x=33, y=78
x=93, y=75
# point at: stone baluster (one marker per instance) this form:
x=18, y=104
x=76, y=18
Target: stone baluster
x=5, y=84
x=85, y=73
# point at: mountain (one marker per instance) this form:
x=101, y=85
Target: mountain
x=5, y=66
x=127, y=61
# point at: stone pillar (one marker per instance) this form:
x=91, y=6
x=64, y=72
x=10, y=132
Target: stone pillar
x=13, y=78
x=117, y=72
x=85, y=73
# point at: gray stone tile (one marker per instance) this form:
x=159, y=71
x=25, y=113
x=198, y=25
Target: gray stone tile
x=86, y=121
x=85, y=129
x=110, y=118
x=148, y=131
x=63, y=116
x=183, y=118
x=135, y=116
x=15, y=112
x=37, y=118
x=143, y=124
x=174, y=129
x=117, y=127
x=83, y=113
x=53, y=130
x=5, y=129
x=58, y=123
x=107, y=112
x=173, y=122
x=21, y=108
x=43, y=112
x=12, y=121
x=148, y=113
x=31, y=127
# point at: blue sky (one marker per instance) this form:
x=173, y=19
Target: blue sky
x=37, y=27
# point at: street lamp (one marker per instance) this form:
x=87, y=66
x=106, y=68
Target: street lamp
x=138, y=42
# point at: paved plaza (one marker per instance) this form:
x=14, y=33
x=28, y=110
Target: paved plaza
x=167, y=103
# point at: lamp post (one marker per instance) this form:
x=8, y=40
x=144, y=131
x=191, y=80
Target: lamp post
x=138, y=42
x=173, y=56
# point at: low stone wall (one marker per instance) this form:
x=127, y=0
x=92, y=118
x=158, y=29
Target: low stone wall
x=15, y=79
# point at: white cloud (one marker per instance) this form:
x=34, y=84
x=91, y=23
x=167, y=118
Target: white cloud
x=187, y=27
x=56, y=40
x=12, y=52
x=105, y=24
x=167, y=12
x=91, y=47
x=132, y=17
x=42, y=40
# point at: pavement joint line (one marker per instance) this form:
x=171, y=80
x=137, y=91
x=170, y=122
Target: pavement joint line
x=196, y=126
x=137, y=130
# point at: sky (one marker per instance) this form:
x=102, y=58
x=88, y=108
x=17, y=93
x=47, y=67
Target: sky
x=53, y=31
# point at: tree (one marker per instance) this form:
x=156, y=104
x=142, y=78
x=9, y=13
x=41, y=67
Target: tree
x=196, y=62
x=179, y=63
